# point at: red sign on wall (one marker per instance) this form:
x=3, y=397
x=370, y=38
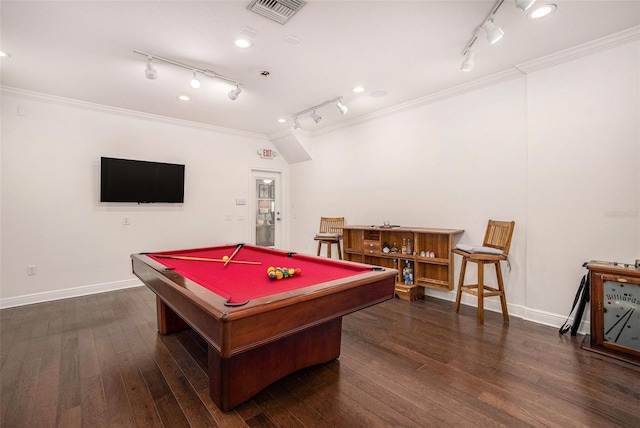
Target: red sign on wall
x=267, y=153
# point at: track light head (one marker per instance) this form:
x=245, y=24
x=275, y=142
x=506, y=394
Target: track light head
x=523, y=5
x=493, y=33
x=150, y=72
x=296, y=124
x=315, y=117
x=195, y=83
x=233, y=94
x=468, y=63
x=343, y=108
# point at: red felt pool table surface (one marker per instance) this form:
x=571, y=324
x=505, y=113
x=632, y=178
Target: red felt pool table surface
x=258, y=330
x=238, y=282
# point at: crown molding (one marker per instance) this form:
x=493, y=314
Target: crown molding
x=611, y=41
x=38, y=96
x=493, y=79
x=284, y=132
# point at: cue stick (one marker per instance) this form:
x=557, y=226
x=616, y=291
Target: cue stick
x=233, y=255
x=203, y=259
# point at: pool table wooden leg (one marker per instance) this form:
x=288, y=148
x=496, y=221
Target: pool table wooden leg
x=235, y=380
x=168, y=321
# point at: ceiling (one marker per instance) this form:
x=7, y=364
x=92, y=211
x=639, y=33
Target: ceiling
x=403, y=50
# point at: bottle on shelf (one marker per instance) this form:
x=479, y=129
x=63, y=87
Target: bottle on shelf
x=404, y=246
x=409, y=250
x=407, y=273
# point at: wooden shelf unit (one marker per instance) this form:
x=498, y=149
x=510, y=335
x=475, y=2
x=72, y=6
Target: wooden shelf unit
x=365, y=244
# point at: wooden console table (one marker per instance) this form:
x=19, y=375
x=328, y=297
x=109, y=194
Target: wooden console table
x=365, y=244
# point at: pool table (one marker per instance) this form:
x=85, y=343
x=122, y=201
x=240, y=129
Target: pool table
x=258, y=330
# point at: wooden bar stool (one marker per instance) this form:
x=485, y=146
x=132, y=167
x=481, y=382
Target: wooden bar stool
x=495, y=249
x=330, y=233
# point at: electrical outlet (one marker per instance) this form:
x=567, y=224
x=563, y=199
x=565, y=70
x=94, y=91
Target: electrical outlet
x=31, y=270
x=125, y=221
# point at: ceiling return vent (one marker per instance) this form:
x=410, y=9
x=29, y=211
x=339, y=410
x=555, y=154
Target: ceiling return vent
x=276, y=10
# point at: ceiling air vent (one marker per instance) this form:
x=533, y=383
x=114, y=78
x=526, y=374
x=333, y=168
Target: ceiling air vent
x=276, y=10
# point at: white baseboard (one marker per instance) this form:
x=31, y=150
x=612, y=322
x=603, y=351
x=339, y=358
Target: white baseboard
x=67, y=293
x=518, y=311
x=493, y=305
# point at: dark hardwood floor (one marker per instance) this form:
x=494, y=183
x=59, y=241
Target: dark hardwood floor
x=97, y=361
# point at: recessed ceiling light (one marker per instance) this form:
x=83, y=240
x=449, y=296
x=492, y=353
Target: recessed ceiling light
x=4, y=54
x=358, y=89
x=281, y=120
x=184, y=98
x=542, y=11
x=243, y=43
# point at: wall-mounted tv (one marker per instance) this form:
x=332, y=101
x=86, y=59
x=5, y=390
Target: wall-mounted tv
x=127, y=180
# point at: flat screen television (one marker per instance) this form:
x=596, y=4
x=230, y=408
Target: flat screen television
x=127, y=180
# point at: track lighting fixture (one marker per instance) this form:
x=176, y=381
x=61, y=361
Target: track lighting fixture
x=151, y=73
x=195, y=83
x=341, y=107
x=233, y=94
x=493, y=33
x=468, y=63
x=523, y=5
x=316, y=118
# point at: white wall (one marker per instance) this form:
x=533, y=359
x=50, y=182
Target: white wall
x=51, y=214
x=583, y=199
x=452, y=164
x=557, y=150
